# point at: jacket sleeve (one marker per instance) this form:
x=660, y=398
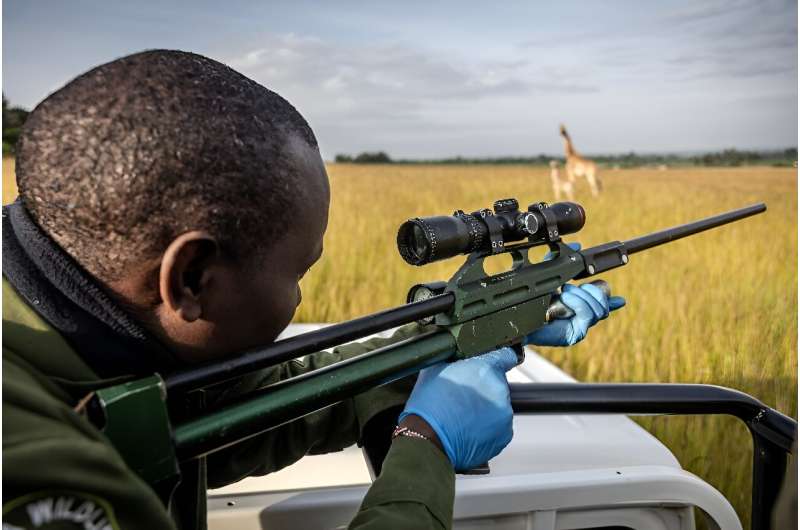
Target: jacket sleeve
x=328, y=430
x=60, y=472
x=415, y=490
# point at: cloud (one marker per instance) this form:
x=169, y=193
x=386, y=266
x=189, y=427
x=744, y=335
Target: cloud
x=384, y=72
x=383, y=92
x=394, y=85
x=705, y=12
x=729, y=41
x=381, y=69
x=401, y=97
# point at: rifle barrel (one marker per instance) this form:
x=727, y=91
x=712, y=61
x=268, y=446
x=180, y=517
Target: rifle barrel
x=293, y=398
x=677, y=232
x=297, y=346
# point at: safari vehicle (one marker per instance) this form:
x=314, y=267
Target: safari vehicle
x=560, y=472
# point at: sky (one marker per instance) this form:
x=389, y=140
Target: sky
x=421, y=79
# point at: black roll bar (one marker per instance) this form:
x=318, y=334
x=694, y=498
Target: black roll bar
x=773, y=433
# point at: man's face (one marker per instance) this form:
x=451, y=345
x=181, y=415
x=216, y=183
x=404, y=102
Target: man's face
x=246, y=305
x=262, y=299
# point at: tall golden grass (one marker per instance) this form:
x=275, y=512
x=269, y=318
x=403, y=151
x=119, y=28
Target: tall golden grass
x=9, y=183
x=719, y=307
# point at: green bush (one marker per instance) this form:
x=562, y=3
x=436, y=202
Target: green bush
x=378, y=157
x=13, y=118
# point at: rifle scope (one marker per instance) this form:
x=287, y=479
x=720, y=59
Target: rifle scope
x=425, y=239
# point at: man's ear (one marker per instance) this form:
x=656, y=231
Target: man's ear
x=186, y=271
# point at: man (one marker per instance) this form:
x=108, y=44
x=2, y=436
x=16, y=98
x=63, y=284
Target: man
x=169, y=208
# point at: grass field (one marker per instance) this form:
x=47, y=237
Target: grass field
x=720, y=307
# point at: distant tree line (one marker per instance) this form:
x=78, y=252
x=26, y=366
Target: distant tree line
x=726, y=158
x=13, y=118
x=377, y=157
x=733, y=157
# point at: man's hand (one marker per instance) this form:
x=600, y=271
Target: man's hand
x=467, y=404
x=589, y=304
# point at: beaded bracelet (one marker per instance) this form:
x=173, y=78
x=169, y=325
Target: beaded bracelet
x=405, y=431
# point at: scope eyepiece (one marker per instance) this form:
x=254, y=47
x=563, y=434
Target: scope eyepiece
x=426, y=239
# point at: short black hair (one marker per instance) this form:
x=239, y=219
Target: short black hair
x=133, y=153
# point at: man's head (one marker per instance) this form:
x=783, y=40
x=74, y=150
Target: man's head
x=194, y=194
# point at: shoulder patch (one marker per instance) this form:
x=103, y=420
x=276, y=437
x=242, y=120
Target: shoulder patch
x=58, y=510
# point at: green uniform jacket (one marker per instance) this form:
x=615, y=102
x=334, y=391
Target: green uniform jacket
x=58, y=469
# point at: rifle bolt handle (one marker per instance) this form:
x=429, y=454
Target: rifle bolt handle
x=558, y=310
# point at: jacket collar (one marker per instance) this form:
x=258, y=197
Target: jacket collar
x=66, y=297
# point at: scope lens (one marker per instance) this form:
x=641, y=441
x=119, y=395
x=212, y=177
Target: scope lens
x=419, y=244
x=413, y=243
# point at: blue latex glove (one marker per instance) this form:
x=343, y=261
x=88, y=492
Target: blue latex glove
x=468, y=405
x=588, y=303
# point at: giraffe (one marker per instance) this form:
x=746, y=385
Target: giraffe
x=560, y=185
x=578, y=166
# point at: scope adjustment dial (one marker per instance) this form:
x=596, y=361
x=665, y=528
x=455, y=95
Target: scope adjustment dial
x=506, y=205
x=527, y=223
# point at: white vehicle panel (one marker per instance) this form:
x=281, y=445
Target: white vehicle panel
x=564, y=464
